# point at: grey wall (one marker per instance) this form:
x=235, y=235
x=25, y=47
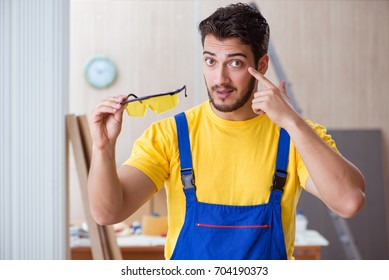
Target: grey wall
x=369, y=228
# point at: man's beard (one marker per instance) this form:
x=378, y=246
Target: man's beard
x=239, y=103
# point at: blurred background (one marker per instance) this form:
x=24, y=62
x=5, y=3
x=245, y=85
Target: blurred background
x=333, y=53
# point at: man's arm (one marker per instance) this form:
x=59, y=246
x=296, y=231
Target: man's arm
x=113, y=195
x=116, y=194
x=333, y=179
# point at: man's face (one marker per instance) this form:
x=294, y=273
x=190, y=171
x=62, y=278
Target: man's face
x=225, y=63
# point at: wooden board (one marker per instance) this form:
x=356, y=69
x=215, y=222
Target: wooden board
x=102, y=238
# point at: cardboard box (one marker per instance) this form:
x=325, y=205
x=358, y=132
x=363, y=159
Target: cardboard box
x=154, y=225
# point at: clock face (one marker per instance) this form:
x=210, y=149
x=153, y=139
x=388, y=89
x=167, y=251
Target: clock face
x=100, y=72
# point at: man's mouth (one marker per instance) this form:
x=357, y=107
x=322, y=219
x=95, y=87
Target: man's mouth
x=223, y=93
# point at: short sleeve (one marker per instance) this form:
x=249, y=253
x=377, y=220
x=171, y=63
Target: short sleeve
x=150, y=153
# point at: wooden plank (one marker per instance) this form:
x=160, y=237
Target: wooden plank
x=107, y=235
x=114, y=249
x=104, y=243
x=73, y=131
x=86, y=138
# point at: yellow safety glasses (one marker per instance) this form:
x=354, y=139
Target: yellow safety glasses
x=159, y=103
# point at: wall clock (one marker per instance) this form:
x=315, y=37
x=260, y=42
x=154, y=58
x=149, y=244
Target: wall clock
x=100, y=72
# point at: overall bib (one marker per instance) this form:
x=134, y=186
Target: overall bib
x=218, y=232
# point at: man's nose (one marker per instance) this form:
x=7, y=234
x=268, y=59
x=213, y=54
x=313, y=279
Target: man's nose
x=222, y=76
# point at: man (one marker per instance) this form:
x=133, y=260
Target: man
x=234, y=176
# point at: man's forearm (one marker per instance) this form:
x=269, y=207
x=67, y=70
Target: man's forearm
x=338, y=182
x=105, y=192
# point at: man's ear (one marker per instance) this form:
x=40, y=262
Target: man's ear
x=263, y=64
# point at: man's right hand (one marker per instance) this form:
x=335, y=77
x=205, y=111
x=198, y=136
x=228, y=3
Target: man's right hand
x=113, y=194
x=106, y=121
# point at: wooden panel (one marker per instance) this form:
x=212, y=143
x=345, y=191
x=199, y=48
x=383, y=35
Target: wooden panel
x=129, y=253
x=157, y=253
x=307, y=252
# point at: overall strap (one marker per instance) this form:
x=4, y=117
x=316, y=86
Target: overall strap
x=280, y=173
x=187, y=176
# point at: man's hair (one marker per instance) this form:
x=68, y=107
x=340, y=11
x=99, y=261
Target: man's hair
x=238, y=21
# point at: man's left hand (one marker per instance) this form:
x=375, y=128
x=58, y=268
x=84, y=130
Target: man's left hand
x=272, y=100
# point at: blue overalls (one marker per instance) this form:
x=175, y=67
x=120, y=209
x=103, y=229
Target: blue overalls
x=218, y=232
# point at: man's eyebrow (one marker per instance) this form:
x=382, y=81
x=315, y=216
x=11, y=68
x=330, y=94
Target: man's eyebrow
x=229, y=55
x=237, y=54
x=210, y=53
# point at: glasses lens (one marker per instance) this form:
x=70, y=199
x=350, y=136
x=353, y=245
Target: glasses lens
x=164, y=103
x=135, y=109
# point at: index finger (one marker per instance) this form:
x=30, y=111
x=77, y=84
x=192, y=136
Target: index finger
x=261, y=78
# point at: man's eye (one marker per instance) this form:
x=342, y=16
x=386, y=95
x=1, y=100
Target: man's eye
x=209, y=61
x=236, y=63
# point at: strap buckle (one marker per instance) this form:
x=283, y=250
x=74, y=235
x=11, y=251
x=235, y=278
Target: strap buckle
x=187, y=179
x=279, y=180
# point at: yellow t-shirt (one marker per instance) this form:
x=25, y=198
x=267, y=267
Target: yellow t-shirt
x=233, y=164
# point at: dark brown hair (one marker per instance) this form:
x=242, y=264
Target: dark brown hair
x=240, y=21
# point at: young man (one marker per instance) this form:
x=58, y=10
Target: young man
x=234, y=177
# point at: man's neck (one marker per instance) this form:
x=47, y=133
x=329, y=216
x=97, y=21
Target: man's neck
x=242, y=114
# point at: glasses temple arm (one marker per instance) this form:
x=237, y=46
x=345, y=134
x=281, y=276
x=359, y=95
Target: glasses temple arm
x=126, y=101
